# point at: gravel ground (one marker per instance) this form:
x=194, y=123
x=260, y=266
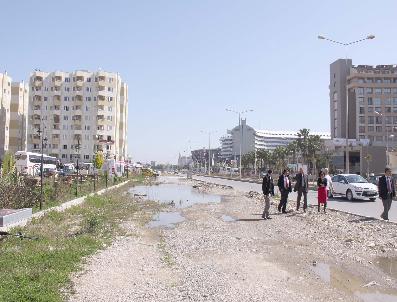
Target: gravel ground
x=206, y=258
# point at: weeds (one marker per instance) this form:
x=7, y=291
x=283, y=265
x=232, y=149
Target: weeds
x=38, y=270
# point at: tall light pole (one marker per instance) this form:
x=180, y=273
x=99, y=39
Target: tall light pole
x=240, y=125
x=387, y=137
x=43, y=139
x=209, y=149
x=346, y=44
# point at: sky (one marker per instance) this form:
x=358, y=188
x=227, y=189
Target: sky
x=185, y=62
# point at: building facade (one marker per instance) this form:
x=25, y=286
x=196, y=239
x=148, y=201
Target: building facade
x=372, y=99
x=13, y=114
x=253, y=139
x=5, y=114
x=78, y=113
x=18, y=118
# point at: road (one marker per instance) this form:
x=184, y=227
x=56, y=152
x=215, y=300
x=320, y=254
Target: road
x=359, y=207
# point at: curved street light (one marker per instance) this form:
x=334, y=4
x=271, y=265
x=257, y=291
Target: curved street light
x=346, y=44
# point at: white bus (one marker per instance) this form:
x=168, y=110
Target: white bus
x=29, y=162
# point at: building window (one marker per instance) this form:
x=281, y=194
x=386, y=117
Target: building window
x=45, y=99
x=379, y=138
x=377, y=102
x=362, y=110
x=362, y=120
x=386, y=81
x=66, y=108
x=370, y=102
x=360, y=91
x=64, y=156
x=109, y=128
x=86, y=157
x=88, y=79
x=361, y=129
x=371, y=120
x=67, y=80
x=110, y=108
x=387, y=109
x=378, y=120
x=65, y=147
x=378, y=90
x=370, y=80
x=368, y=90
x=388, y=119
x=378, y=109
x=378, y=128
x=94, y=98
x=88, y=98
x=387, y=101
x=378, y=80
x=386, y=91
x=361, y=100
x=370, y=128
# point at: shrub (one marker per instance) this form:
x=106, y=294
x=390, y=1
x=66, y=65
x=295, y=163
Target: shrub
x=17, y=194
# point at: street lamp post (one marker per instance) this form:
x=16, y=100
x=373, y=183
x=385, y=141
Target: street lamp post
x=209, y=149
x=43, y=139
x=77, y=147
x=387, y=137
x=346, y=44
x=240, y=125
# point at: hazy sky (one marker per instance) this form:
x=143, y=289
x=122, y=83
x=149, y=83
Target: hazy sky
x=186, y=61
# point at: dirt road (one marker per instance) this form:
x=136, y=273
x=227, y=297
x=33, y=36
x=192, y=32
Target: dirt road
x=226, y=252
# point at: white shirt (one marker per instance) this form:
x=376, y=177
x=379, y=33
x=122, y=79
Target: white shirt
x=329, y=181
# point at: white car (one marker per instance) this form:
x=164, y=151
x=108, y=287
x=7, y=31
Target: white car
x=353, y=186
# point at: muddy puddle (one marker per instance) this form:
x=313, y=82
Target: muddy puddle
x=166, y=219
x=388, y=265
x=227, y=218
x=351, y=284
x=177, y=195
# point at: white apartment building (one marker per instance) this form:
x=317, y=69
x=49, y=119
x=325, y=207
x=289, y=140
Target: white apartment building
x=78, y=113
x=13, y=110
x=253, y=139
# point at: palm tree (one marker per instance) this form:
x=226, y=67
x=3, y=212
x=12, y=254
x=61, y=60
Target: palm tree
x=302, y=143
x=264, y=157
x=279, y=155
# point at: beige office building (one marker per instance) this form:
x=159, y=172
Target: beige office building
x=5, y=102
x=79, y=113
x=372, y=108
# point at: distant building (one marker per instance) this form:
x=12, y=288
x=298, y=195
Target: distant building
x=253, y=139
x=200, y=157
x=14, y=98
x=184, y=161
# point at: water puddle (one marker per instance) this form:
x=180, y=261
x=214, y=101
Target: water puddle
x=350, y=284
x=388, y=265
x=166, y=219
x=178, y=195
x=227, y=218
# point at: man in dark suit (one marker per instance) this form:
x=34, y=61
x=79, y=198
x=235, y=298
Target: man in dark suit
x=387, y=191
x=285, y=187
x=267, y=189
x=302, y=186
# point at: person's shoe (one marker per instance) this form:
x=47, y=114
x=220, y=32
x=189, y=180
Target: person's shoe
x=268, y=217
x=263, y=216
x=279, y=209
x=304, y=210
x=284, y=212
x=381, y=216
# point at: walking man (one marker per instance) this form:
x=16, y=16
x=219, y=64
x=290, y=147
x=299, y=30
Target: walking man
x=387, y=191
x=302, y=186
x=268, y=189
x=330, y=187
x=284, y=185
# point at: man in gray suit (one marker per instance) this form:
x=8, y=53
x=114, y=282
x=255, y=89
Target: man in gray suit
x=302, y=186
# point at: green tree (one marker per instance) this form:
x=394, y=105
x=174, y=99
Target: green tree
x=279, y=156
x=8, y=164
x=98, y=160
x=303, y=143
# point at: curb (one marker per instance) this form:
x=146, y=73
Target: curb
x=60, y=208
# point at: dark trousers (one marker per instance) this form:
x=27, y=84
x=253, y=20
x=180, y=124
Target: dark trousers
x=298, y=201
x=283, y=201
x=386, y=207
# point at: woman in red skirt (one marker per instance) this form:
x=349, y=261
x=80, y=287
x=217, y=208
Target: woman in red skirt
x=322, y=190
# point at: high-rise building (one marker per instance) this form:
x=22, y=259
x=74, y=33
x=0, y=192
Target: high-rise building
x=13, y=109
x=5, y=114
x=372, y=102
x=78, y=113
x=18, y=118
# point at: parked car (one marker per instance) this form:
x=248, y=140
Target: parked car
x=353, y=186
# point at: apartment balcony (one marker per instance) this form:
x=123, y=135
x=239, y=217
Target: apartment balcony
x=78, y=97
x=38, y=81
x=55, y=140
x=36, y=140
x=37, y=111
x=56, y=119
x=57, y=93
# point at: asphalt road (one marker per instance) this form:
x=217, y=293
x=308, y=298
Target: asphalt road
x=359, y=207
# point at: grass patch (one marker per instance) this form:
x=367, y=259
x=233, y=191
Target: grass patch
x=38, y=270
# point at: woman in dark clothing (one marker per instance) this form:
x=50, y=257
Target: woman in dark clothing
x=322, y=190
